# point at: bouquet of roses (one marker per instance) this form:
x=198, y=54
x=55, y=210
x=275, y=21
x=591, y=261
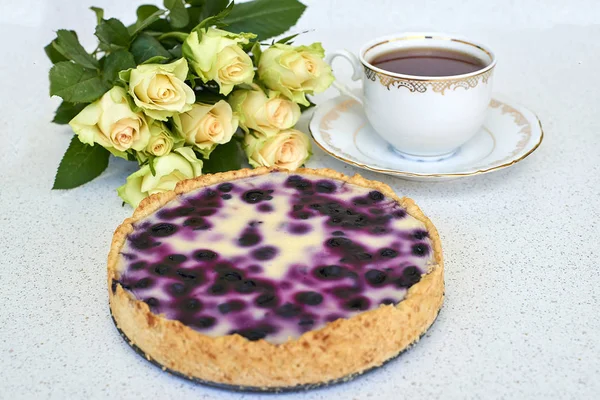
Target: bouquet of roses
x=171, y=91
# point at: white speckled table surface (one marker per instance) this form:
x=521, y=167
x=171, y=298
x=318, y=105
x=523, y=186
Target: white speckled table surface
x=521, y=316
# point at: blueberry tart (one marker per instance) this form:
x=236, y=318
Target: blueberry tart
x=269, y=280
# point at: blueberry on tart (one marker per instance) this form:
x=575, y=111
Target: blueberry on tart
x=268, y=280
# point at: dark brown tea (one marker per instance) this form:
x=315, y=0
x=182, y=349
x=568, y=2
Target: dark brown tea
x=427, y=61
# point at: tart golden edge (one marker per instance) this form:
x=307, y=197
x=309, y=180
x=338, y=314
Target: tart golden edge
x=343, y=348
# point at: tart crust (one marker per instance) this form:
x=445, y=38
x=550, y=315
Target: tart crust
x=342, y=349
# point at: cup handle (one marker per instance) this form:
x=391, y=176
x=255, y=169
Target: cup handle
x=356, y=72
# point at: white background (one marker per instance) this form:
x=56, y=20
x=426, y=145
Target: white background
x=521, y=318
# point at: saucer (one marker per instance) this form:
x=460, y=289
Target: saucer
x=509, y=134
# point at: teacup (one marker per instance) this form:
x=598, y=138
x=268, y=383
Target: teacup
x=425, y=118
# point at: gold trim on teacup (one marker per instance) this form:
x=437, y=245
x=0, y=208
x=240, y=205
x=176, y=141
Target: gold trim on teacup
x=421, y=84
x=518, y=117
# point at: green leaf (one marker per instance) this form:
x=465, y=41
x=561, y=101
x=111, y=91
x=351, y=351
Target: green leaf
x=198, y=3
x=151, y=159
x=53, y=54
x=80, y=164
x=67, y=44
x=213, y=7
x=66, y=112
x=145, y=10
x=288, y=39
x=192, y=80
x=176, y=51
x=178, y=14
x=145, y=47
x=99, y=14
x=266, y=18
x=215, y=20
x=112, y=31
x=103, y=47
x=116, y=62
x=76, y=84
x=156, y=60
x=256, y=52
x=225, y=157
x=140, y=25
x=154, y=23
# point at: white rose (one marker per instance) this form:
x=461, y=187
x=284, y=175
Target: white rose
x=159, y=89
x=265, y=114
x=288, y=149
x=207, y=125
x=295, y=71
x=161, y=140
x=217, y=55
x=169, y=169
x=112, y=124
